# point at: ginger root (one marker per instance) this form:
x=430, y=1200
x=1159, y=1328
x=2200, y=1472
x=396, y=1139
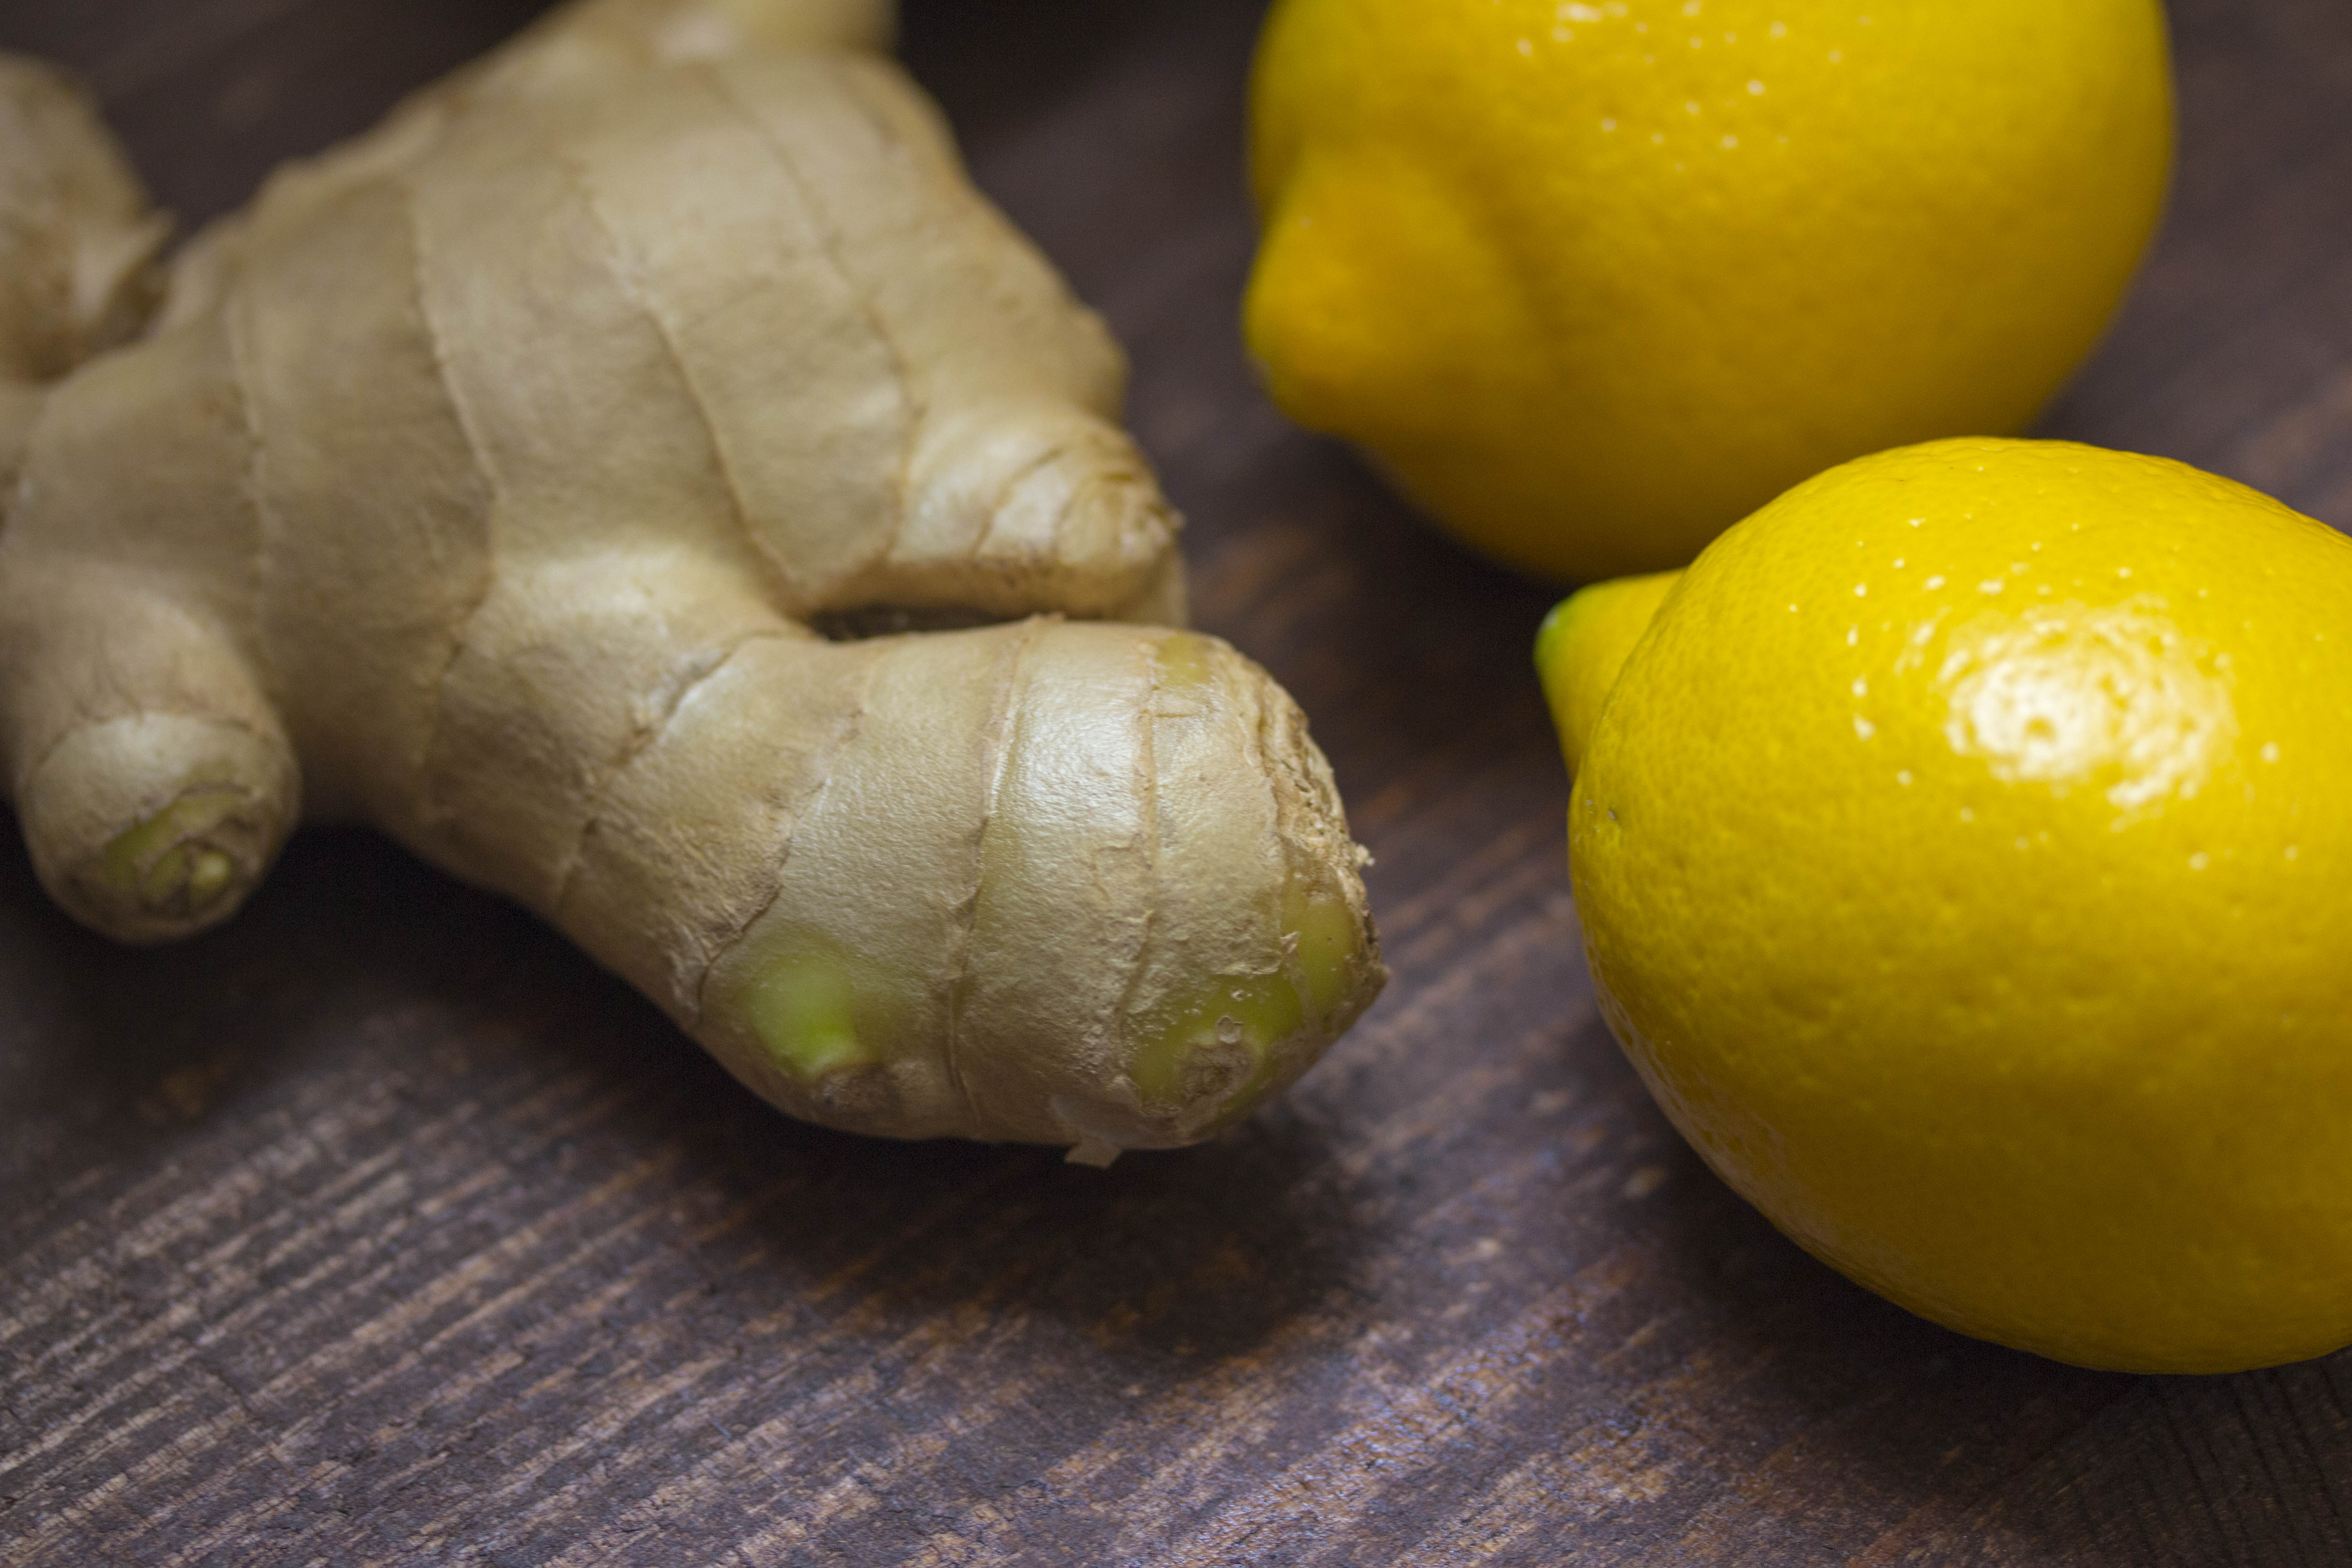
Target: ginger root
x=496, y=478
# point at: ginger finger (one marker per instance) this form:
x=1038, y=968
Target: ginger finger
x=532, y=471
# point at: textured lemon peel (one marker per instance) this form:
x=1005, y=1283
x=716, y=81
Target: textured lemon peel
x=2026, y=1003
x=2113, y=697
x=1591, y=291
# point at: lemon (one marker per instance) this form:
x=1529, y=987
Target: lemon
x=1595, y=280
x=1964, y=855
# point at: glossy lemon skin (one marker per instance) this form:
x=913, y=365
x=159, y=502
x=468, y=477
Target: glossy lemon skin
x=1964, y=856
x=1594, y=282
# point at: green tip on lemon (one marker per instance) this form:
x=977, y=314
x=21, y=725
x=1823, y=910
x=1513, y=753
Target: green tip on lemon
x=1585, y=642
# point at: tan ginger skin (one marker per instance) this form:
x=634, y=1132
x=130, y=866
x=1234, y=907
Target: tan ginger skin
x=486, y=481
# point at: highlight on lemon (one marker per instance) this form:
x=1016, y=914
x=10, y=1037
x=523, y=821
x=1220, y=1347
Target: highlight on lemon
x=1963, y=848
x=1592, y=281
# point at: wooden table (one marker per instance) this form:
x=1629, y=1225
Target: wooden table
x=381, y=1227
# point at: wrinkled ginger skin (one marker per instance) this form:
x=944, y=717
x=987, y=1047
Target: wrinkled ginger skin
x=487, y=481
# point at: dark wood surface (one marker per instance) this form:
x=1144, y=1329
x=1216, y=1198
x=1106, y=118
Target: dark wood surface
x=381, y=1227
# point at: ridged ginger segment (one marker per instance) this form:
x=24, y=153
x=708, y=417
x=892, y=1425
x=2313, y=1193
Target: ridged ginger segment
x=517, y=479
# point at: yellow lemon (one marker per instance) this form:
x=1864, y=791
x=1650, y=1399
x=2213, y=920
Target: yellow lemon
x=1595, y=280
x=1964, y=854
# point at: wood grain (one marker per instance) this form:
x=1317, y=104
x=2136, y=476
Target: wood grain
x=383, y=1229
